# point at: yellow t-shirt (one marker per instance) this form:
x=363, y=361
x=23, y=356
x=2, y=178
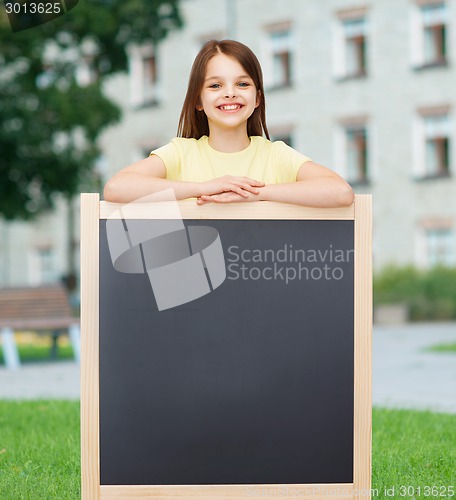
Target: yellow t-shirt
x=194, y=160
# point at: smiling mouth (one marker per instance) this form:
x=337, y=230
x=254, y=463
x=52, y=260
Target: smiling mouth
x=230, y=107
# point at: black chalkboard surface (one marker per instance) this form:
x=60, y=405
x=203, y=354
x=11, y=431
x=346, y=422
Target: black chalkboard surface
x=251, y=383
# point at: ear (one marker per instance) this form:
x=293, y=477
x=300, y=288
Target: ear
x=258, y=98
x=199, y=107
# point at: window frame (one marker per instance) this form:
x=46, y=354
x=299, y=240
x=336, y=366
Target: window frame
x=426, y=243
x=142, y=93
x=364, y=171
x=283, y=51
x=441, y=167
x=439, y=34
x=343, y=40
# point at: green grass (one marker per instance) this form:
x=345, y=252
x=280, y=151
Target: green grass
x=39, y=450
x=34, y=353
x=443, y=348
x=414, y=449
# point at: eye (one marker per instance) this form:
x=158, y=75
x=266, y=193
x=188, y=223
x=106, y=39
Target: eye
x=244, y=84
x=215, y=86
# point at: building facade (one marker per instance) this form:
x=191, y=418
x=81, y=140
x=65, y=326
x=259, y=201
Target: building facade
x=365, y=88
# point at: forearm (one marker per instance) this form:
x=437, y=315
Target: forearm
x=131, y=186
x=316, y=192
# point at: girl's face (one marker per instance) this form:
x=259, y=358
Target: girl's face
x=229, y=95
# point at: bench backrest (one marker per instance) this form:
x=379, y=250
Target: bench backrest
x=42, y=307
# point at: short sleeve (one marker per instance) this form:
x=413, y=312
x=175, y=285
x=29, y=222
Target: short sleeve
x=288, y=162
x=169, y=154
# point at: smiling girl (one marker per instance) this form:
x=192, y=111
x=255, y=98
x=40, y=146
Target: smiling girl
x=223, y=153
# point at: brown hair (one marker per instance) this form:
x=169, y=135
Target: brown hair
x=193, y=123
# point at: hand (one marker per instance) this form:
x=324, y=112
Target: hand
x=243, y=186
x=228, y=197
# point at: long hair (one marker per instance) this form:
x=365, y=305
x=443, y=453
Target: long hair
x=193, y=123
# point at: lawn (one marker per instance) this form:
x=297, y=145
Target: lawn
x=450, y=347
x=35, y=348
x=39, y=451
x=413, y=450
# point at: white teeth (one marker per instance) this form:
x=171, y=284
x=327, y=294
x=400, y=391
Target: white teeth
x=230, y=107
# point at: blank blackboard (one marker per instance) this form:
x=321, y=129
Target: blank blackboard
x=250, y=384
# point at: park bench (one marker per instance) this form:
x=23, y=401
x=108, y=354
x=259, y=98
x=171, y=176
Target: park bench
x=43, y=309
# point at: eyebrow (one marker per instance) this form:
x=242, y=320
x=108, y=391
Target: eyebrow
x=221, y=78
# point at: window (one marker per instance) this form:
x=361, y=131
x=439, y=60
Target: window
x=42, y=265
x=46, y=258
x=439, y=246
x=430, y=34
x=145, y=84
x=278, y=60
x=440, y=243
x=355, y=47
x=437, y=145
x=351, y=44
x=353, y=153
x=149, y=74
x=433, y=159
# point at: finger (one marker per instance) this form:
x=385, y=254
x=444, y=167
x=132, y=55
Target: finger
x=250, y=188
x=243, y=192
x=253, y=182
x=228, y=198
x=239, y=190
x=223, y=197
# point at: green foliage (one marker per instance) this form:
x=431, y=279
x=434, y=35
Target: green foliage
x=429, y=294
x=49, y=121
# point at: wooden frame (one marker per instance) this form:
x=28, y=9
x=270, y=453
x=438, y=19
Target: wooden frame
x=92, y=210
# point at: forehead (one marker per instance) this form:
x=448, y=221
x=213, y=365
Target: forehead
x=223, y=65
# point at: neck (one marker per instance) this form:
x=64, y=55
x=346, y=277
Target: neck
x=229, y=141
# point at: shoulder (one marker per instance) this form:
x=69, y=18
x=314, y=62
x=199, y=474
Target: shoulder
x=179, y=145
x=189, y=143
x=260, y=141
x=281, y=146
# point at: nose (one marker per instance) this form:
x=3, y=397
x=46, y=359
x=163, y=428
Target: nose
x=230, y=93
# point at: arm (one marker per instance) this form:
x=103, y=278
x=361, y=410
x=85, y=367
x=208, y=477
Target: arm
x=315, y=186
x=148, y=176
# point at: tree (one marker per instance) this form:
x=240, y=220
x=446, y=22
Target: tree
x=49, y=119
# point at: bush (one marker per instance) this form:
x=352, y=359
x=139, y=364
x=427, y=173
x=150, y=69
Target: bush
x=428, y=294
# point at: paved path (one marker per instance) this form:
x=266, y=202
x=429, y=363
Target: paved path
x=57, y=380
x=404, y=374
